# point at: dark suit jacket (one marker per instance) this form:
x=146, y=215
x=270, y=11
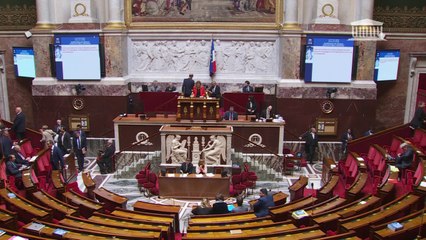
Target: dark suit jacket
x=248, y=89
x=405, y=159
x=66, y=143
x=20, y=159
x=189, y=169
x=261, y=207
x=13, y=169
x=82, y=143
x=271, y=114
x=57, y=128
x=228, y=115
x=419, y=116
x=19, y=123
x=345, y=137
x=253, y=107
x=216, y=92
x=5, y=145
x=310, y=142
x=109, y=152
x=220, y=208
x=57, y=158
x=187, y=86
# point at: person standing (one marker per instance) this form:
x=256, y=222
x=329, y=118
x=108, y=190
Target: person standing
x=311, y=143
x=79, y=145
x=346, y=137
x=5, y=143
x=419, y=116
x=247, y=88
x=19, y=124
x=187, y=85
x=56, y=157
x=262, y=205
x=251, y=106
x=58, y=126
x=64, y=141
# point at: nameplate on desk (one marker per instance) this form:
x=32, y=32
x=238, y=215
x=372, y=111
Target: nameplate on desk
x=184, y=175
x=170, y=175
x=299, y=214
x=235, y=231
x=36, y=226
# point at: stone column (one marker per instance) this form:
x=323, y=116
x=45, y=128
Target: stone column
x=291, y=14
x=364, y=9
x=43, y=15
x=114, y=14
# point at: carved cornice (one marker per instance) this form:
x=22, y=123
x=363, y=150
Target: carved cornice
x=401, y=19
x=17, y=17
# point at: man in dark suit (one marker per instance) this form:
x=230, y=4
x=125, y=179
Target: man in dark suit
x=58, y=126
x=105, y=159
x=19, y=124
x=419, y=116
x=346, y=137
x=261, y=207
x=19, y=157
x=230, y=114
x=56, y=157
x=214, y=90
x=251, y=106
x=267, y=113
x=188, y=85
x=80, y=147
x=247, y=88
x=64, y=141
x=220, y=207
x=187, y=167
x=404, y=159
x=13, y=168
x=311, y=143
x=5, y=143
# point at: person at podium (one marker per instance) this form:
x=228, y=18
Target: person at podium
x=198, y=90
x=201, y=167
x=186, y=167
x=247, y=88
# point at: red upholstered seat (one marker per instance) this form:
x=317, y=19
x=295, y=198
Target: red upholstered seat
x=151, y=185
x=237, y=186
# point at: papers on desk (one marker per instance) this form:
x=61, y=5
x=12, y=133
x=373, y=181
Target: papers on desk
x=184, y=175
x=18, y=238
x=394, y=169
x=395, y=226
x=362, y=202
x=199, y=175
x=2, y=232
x=36, y=226
x=11, y=195
x=235, y=231
x=423, y=184
x=210, y=175
x=59, y=232
x=333, y=166
x=299, y=214
x=170, y=175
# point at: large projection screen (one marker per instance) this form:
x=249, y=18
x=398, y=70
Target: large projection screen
x=328, y=59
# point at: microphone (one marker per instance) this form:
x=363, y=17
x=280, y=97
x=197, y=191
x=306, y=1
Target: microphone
x=312, y=204
x=313, y=190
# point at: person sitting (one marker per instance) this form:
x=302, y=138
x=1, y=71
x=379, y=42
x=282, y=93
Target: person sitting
x=204, y=209
x=220, y=206
x=247, y=88
x=170, y=88
x=405, y=159
x=20, y=158
x=267, y=113
x=201, y=167
x=198, y=91
x=214, y=90
x=251, y=106
x=230, y=114
x=105, y=159
x=13, y=168
x=155, y=87
x=240, y=208
x=187, y=167
x=262, y=205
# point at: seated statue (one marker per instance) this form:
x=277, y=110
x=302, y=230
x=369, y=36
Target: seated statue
x=213, y=151
x=178, y=150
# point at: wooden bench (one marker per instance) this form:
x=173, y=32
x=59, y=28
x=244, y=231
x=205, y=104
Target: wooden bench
x=147, y=217
x=26, y=209
x=111, y=200
x=280, y=198
x=282, y=213
x=326, y=191
x=86, y=206
x=72, y=232
x=60, y=209
x=230, y=226
x=89, y=184
x=101, y=218
x=223, y=218
x=351, y=235
x=387, y=212
x=354, y=192
x=58, y=182
x=127, y=231
x=296, y=190
x=8, y=219
x=160, y=209
x=328, y=220
x=9, y=234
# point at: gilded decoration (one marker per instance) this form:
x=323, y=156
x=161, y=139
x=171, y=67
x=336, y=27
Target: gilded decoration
x=401, y=15
x=17, y=15
x=238, y=14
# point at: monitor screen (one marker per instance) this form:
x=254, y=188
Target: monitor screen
x=328, y=59
x=77, y=57
x=23, y=62
x=386, y=65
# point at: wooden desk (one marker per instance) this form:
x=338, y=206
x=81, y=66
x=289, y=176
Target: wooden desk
x=326, y=192
x=197, y=109
x=147, y=217
x=26, y=209
x=110, y=199
x=8, y=219
x=355, y=189
x=191, y=187
x=280, y=198
x=160, y=209
x=89, y=184
x=61, y=209
x=29, y=180
x=283, y=212
x=155, y=102
x=86, y=205
x=230, y=226
x=11, y=233
x=239, y=101
x=57, y=181
x=296, y=190
x=224, y=218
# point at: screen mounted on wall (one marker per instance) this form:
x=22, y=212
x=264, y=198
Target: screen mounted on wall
x=328, y=59
x=23, y=62
x=77, y=57
x=386, y=65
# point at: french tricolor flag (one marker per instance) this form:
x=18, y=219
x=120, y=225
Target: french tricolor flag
x=212, y=60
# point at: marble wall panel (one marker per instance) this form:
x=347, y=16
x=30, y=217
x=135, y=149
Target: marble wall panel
x=291, y=57
x=69, y=90
x=366, y=58
x=320, y=92
x=114, y=55
x=42, y=54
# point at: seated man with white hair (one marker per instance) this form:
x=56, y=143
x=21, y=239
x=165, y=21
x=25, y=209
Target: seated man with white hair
x=105, y=158
x=405, y=159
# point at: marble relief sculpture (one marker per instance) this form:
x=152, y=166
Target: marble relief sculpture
x=232, y=57
x=214, y=151
x=178, y=152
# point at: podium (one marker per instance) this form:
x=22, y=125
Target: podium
x=201, y=109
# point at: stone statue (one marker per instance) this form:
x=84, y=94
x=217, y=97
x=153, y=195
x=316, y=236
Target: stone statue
x=213, y=151
x=178, y=150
